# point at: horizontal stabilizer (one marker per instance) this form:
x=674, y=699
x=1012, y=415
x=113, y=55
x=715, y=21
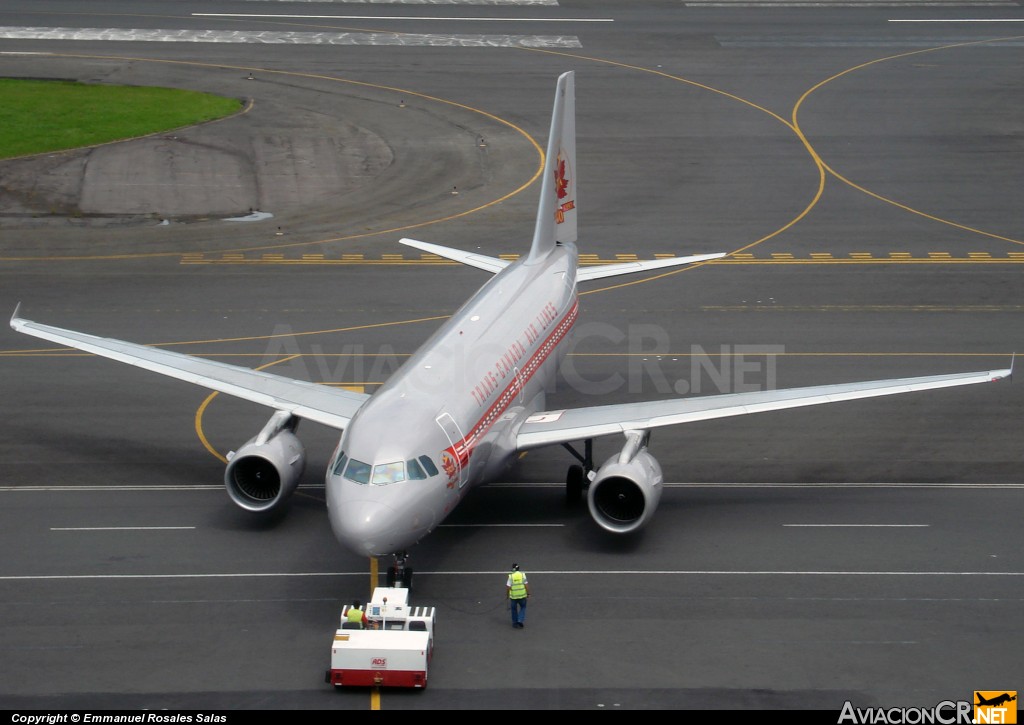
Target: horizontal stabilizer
x=480, y=261
x=586, y=274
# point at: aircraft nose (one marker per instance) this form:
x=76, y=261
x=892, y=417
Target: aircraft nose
x=365, y=527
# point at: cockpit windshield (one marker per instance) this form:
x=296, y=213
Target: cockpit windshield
x=382, y=474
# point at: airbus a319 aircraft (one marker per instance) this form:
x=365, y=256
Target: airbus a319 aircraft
x=472, y=398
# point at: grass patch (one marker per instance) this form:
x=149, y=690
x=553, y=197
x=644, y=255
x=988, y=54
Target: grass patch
x=41, y=116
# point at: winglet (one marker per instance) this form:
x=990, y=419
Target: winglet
x=556, y=212
x=14, y=317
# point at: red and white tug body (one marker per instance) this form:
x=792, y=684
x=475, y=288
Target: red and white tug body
x=394, y=651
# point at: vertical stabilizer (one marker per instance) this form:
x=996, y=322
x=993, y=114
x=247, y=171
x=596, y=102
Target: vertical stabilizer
x=556, y=213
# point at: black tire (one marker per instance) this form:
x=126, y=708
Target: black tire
x=574, y=485
x=407, y=579
x=391, y=577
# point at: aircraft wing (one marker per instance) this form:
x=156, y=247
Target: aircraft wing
x=329, y=406
x=563, y=426
x=480, y=261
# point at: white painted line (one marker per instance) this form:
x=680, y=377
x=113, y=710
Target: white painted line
x=964, y=20
x=678, y=572
x=420, y=2
x=840, y=4
x=859, y=526
x=555, y=484
x=21, y=52
x=501, y=526
x=123, y=528
x=707, y=484
x=75, y=489
x=402, y=17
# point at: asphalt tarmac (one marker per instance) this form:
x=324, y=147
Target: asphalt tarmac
x=866, y=176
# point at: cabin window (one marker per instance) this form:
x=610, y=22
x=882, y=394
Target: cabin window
x=384, y=473
x=428, y=465
x=414, y=470
x=357, y=471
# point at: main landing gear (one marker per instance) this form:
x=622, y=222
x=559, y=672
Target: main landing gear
x=400, y=573
x=579, y=476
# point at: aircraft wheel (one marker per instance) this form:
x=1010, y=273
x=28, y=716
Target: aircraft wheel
x=574, y=485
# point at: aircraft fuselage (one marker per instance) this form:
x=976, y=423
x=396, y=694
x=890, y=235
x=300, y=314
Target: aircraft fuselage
x=457, y=401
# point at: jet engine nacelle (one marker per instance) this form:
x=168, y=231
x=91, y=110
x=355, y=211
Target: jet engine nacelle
x=625, y=493
x=265, y=472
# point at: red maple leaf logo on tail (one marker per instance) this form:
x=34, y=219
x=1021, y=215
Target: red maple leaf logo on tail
x=561, y=183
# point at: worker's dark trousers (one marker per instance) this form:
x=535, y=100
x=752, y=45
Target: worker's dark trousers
x=518, y=607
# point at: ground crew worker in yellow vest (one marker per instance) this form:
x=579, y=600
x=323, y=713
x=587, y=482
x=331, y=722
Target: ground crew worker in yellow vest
x=518, y=592
x=356, y=614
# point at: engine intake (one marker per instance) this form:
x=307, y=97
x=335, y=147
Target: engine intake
x=265, y=472
x=625, y=493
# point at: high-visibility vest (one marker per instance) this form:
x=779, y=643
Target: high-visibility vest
x=355, y=615
x=518, y=590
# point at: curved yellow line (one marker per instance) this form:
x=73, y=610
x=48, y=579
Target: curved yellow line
x=319, y=242
x=209, y=399
x=879, y=197
x=201, y=410
x=810, y=150
x=352, y=328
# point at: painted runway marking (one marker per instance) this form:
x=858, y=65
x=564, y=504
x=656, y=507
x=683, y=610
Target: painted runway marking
x=501, y=526
x=963, y=20
x=858, y=526
x=853, y=41
x=579, y=572
x=553, y=484
x=587, y=260
x=550, y=3
x=852, y=4
x=271, y=37
x=280, y=16
x=122, y=528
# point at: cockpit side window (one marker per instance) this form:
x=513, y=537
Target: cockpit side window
x=357, y=471
x=414, y=470
x=428, y=465
x=340, y=465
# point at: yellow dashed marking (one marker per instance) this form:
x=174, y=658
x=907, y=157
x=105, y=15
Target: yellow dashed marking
x=349, y=258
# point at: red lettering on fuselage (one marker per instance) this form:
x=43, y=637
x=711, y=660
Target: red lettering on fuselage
x=507, y=363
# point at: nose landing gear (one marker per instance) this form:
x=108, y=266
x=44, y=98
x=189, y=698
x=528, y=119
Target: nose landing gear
x=400, y=573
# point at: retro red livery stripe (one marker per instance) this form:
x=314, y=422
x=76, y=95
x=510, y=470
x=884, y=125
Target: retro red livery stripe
x=464, y=448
